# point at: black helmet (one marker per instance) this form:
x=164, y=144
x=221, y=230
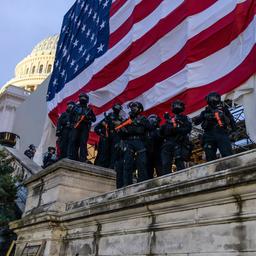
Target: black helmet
x=154, y=119
x=51, y=148
x=83, y=98
x=178, y=107
x=213, y=99
x=136, y=105
x=71, y=103
x=32, y=147
x=117, y=107
x=70, y=106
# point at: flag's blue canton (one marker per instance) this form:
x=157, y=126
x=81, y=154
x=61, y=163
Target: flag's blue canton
x=84, y=36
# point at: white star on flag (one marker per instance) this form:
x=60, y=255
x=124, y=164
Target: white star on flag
x=72, y=63
x=100, y=48
x=105, y=4
x=75, y=43
x=62, y=73
x=55, y=82
x=88, y=57
x=81, y=48
x=102, y=25
x=83, y=28
x=88, y=33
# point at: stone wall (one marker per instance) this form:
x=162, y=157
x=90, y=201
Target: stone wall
x=207, y=210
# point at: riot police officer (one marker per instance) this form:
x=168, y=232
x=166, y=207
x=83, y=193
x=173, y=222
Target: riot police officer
x=133, y=132
x=216, y=121
x=153, y=145
x=103, y=154
x=30, y=152
x=113, y=120
x=175, y=133
x=63, y=129
x=49, y=157
x=109, y=138
x=83, y=116
x=119, y=163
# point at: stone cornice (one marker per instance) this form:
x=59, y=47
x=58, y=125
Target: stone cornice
x=72, y=165
x=231, y=179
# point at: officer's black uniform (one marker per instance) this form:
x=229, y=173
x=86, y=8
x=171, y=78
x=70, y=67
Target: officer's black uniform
x=30, y=152
x=83, y=116
x=176, y=141
x=109, y=138
x=133, y=135
x=113, y=120
x=119, y=163
x=216, y=120
x=49, y=157
x=64, y=125
x=153, y=145
x=103, y=148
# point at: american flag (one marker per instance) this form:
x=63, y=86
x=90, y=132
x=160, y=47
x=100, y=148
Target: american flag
x=152, y=51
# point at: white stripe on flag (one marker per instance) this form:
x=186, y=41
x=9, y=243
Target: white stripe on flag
x=204, y=71
x=162, y=51
x=122, y=15
x=85, y=76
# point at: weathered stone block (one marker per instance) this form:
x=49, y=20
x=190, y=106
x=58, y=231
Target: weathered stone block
x=209, y=209
x=66, y=181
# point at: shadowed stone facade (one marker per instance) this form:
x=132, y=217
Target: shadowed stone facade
x=209, y=209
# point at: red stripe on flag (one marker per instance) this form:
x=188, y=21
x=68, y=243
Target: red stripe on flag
x=214, y=38
x=120, y=64
x=195, y=98
x=139, y=13
x=116, y=6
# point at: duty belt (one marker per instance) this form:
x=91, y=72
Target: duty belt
x=134, y=137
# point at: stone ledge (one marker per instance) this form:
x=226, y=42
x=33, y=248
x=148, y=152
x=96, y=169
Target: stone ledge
x=209, y=209
x=214, y=175
x=197, y=180
x=72, y=166
x=94, y=206
x=66, y=181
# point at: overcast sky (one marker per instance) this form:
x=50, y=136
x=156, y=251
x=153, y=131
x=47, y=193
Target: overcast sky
x=24, y=23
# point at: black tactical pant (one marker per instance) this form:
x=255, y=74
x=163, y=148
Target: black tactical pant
x=154, y=162
x=103, y=156
x=119, y=166
x=78, y=142
x=171, y=150
x=63, y=142
x=114, y=140
x=134, y=153
x=216, y=139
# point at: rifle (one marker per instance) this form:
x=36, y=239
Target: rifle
x=82, y=118
x=79, y=121
x=217, y=117
x=125, y=123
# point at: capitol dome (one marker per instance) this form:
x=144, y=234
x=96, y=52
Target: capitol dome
x=34, y=69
